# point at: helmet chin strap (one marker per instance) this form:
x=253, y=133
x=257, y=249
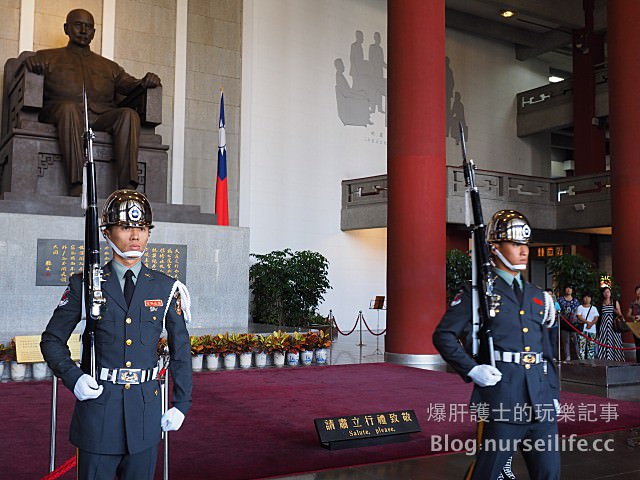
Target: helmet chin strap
x=130, y=254
x=507, y=263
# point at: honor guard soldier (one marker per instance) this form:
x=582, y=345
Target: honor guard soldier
x=117, y=420
x=517, y=399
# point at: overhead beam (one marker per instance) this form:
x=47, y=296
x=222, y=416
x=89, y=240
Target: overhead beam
x=488, y=28
x=548, y=41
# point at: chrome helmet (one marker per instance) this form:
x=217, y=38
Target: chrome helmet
x=127, y=208
x=509, y=226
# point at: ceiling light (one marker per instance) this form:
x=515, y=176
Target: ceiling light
x=508, y=13
x=555, y=79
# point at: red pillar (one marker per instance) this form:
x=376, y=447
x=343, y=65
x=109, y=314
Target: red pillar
x=588, y=139
x=624, y=105
x=416, y=165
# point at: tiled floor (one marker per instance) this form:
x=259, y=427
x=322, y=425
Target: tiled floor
x=623, y=463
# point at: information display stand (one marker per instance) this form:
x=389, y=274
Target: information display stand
x=378, y=304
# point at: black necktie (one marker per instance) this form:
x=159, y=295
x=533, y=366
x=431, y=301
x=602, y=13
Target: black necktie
x=517, y=291
x=129, y=287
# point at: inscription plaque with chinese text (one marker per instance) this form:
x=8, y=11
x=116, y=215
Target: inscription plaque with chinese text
x=58, y=259
x=367, y=429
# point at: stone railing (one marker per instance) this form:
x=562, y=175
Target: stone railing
x=554, y=204
x=550, y=106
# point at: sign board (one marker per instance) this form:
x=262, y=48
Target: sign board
x=58, y=259
x=367, y=429
x=378, y=303
x=28, y=348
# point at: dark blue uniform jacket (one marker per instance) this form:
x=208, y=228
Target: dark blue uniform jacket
x=516, y=328
x=122, y=420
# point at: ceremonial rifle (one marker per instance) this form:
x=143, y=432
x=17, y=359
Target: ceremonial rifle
x=92, y=274
x=483, y=299
x=94, y=300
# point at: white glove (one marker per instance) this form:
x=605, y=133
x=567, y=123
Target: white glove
x=172, y=419
x=485, y=375
x=86, y=388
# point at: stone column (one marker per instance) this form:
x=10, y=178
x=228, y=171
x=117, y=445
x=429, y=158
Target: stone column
x=417, y=179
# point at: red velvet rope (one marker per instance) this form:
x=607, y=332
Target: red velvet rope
x=594, y=340
x=61, y=470
x=371, y=331
x=333, y=319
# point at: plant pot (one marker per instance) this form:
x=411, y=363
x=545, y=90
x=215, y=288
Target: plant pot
x=278, y=359
x=230, y=361
x=306, y=357
x=40, y=371
x=214, y=362
x=321, y=356
x=293, y=359
x=18, y=371
x=245, y=359
x=196, y=362
x=260, y=359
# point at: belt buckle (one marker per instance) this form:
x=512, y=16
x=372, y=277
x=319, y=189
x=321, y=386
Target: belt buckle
x=527, y=358
x=128, y=376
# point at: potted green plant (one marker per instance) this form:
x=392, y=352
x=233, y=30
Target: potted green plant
x=197, y=352
x=323, y=343
x=210, y=350
x=458, y=272
x=295, y=345
x=18, y=370
x=40, y=370
x=278, y=342
x=261, y=351
x=577, y=271
x=231, y=350
x=288, y=286
x=307, y=347
x=246, y=343
x=5, y=356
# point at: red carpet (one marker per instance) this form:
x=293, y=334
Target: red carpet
x=259, y=423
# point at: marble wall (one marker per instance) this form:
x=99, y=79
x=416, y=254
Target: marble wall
x=217, y=272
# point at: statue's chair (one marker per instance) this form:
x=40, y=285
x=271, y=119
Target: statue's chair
x=30, y=160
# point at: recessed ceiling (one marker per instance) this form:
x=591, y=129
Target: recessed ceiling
x=541, y=29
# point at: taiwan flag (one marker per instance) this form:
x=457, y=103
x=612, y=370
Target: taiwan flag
x=222, y=198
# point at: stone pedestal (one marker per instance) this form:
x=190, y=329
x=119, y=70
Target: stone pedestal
x=217, y=266
x=31, y=164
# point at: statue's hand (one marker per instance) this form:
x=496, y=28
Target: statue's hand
x=150, y=80
x=36, y=65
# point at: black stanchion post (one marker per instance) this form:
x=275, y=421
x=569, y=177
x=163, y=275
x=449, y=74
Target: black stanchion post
x=377, y=304
x=331, y=320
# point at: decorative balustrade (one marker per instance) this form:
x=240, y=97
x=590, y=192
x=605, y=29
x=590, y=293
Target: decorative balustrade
x=568, y=202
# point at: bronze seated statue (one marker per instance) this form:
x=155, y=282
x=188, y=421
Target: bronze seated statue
x=30, y=159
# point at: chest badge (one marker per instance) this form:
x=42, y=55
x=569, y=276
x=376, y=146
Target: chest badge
x=153, y=303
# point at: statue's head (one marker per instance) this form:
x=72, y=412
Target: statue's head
x=79, y=27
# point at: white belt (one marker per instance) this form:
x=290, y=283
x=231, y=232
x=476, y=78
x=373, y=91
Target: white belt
x=523, y=358
x=132, y=376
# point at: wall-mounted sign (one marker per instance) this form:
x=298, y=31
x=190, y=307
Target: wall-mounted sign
x=28, y=348
x=550, y=251
x=58, y=259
